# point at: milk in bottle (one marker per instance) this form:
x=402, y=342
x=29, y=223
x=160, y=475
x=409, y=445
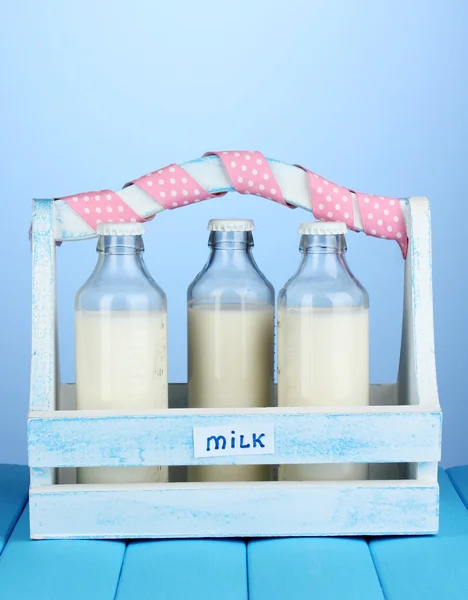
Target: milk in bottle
x=323, y=339
x=230, y=337
x=121, y=341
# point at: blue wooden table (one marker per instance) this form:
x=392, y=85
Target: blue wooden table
x=429, y=568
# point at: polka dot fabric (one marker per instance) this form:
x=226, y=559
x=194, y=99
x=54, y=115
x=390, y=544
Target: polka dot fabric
x=250, y=173
x=330, y=202
x=102, y=207
x=382, y=217
x=172, y=187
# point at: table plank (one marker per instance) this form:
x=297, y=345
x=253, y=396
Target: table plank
x=459, y=478
x=430, y=567
x=305, y=568
x=194, y=569
x=58, y=569
x=14, y=484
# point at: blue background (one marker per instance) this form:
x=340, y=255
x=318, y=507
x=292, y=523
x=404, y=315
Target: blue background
x=372, y=95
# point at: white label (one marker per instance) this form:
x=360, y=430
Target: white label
x=233, y=441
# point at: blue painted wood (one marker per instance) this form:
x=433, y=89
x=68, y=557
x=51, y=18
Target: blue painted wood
x=312, y=568
x=184, y=569
x=453, y=519
x=234, y=509
x=428, y=568
x=459, y=478
x=14, y=484
x=403, y=434
x=54, y=570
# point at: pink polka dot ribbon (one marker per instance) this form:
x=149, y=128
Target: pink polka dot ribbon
x=382, y=217
x=250, y=173
x=102, y=207
x=172, y=187
x=330, y=201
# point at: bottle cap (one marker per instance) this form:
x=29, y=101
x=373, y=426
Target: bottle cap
x=231, y=225
x=120, y=229
x=322, y=228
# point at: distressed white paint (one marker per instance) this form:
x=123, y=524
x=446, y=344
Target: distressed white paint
x=44, y=347
x=417, y=379
x=144, y=438
x=417, y=372
x=235, y=510
x=399, y=434
x=44, y=370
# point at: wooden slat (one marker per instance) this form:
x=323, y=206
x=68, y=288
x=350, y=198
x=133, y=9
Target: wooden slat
x=378, y=434
x=191, y=569
x=428, y=568
x=311, y=568
x=54, y=570
x=417, y=372
x=45, y=375
x=14, y=484
x=234, y=509
x=44, y=372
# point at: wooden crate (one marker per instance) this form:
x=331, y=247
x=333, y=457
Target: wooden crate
x=399, y=434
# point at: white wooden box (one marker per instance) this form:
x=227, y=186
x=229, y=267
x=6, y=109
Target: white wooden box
x=399, y=434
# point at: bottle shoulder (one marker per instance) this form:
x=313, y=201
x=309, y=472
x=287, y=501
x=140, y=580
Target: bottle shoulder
x=302, y=290
x=136, y=292
x=231, y=285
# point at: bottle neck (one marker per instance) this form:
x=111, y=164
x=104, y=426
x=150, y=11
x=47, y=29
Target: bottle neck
x=116, y=245
x=117, y=252
x=323, y=255
x=231, y=248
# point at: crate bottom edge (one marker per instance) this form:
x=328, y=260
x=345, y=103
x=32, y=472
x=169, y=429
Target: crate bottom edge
x=242, y=535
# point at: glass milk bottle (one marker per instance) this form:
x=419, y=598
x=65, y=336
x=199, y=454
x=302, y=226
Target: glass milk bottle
x=323, y=338
x=121, y=341
x=230, y=336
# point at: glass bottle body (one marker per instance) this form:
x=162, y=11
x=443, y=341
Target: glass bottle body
x=323, y=343
x=230, y=340
x=121, y=345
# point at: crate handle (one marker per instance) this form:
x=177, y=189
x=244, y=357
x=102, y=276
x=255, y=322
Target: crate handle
x=248, y=172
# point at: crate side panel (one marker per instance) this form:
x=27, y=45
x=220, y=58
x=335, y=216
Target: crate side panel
x=417, y=370
x=167, y=438
x=44, y=329
x=234, y=510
